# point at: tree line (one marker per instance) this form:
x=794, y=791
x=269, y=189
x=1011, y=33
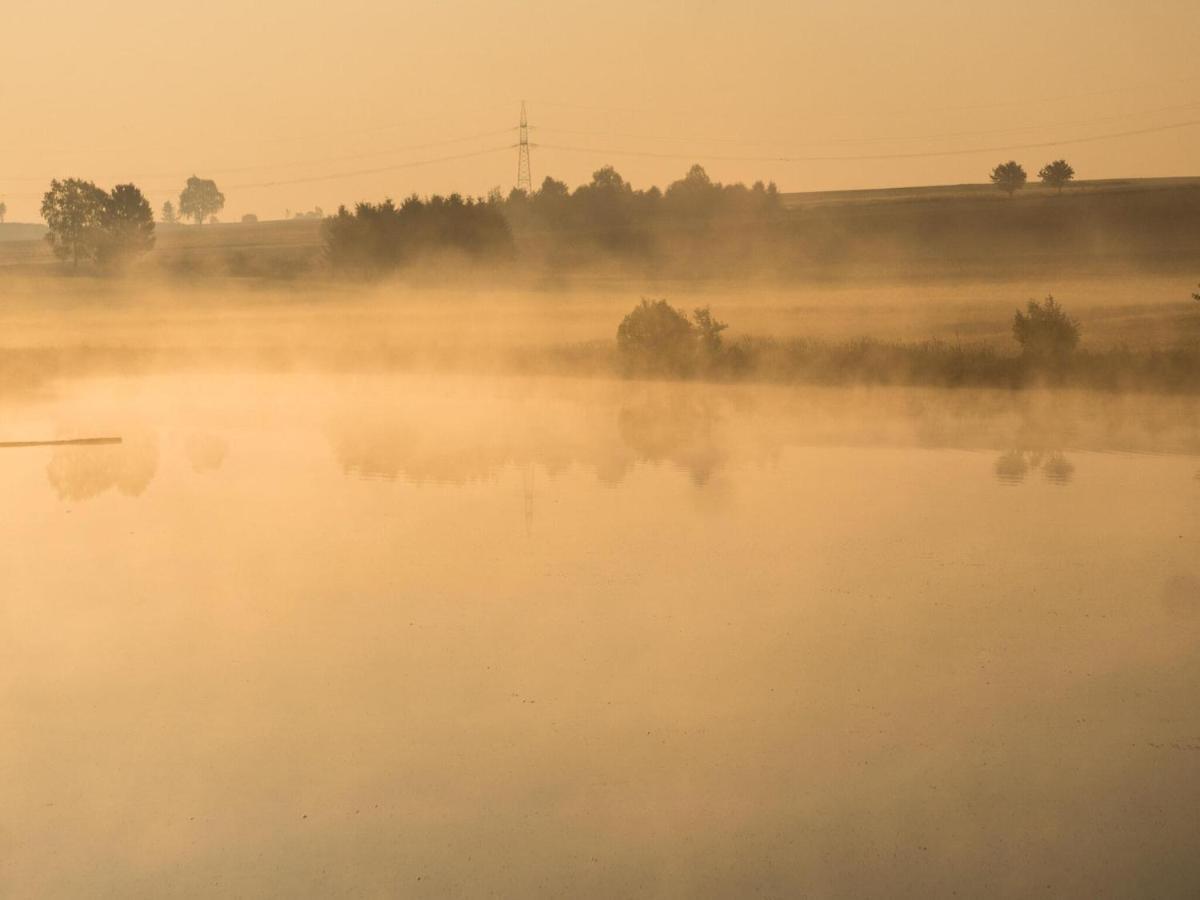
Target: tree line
x=381, y=237
x=605, y=218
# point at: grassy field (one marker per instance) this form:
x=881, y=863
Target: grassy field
x=261, y=249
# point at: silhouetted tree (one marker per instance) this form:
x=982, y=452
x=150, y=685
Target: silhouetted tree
x=249, y=219
x=694, y=198
x=73, y=209
x=1009, y=177
x=657, y=338
x=1045, y=332
x=168, y=213
x=200, y=200
x=126, y=226
x=606, y=211
x=3, y=211
x=551, y=203
x=1056, y=174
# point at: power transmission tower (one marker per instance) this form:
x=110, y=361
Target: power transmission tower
x=524, y=179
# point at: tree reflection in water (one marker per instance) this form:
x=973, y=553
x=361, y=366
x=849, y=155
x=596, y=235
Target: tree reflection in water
x=655, y=425
x=206, y=452
x=1013, y=465
x=80, y=473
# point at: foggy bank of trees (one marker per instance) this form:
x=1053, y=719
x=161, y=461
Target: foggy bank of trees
x=695, y=225
x=381, y=237
x=697, y=228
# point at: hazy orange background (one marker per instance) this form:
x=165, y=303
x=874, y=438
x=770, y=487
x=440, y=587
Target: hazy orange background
x=250, y=93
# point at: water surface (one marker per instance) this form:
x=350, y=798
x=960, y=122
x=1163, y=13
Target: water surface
x=430, y=635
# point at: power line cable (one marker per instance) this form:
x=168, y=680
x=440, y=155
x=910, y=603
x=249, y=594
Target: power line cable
x=312, y=162
x=909, y=111
x=292, y=138
x=879, y=156
x=373, y=154
x=338, y=175
x=872, y=140
x=392, y=168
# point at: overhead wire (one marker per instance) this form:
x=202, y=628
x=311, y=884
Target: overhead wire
x=375, y=171
x=928, y=154
x=870, y=140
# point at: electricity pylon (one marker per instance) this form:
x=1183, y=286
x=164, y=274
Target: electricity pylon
x=524, y=179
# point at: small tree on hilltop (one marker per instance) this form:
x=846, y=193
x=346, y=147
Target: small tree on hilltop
x=3, y=211
x=1045, y=332
x=1009, y=177
x=168, y=213
x=200, y=200
x=1056, y=174
x=73, y=209
x=126, y=226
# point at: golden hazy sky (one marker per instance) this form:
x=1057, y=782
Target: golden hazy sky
x=291, y=104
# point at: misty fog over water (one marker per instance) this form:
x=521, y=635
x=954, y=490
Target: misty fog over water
x=471, y=634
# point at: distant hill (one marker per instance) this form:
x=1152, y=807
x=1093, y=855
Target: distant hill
x=950, y=192
x=1151, y=223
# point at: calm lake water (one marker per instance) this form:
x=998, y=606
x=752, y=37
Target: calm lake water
x=423, y=635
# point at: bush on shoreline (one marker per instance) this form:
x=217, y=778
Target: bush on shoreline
x=1047, y=335
x=658, y=339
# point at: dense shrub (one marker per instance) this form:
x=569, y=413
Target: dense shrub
x=1045, y=332
x=657, y=338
